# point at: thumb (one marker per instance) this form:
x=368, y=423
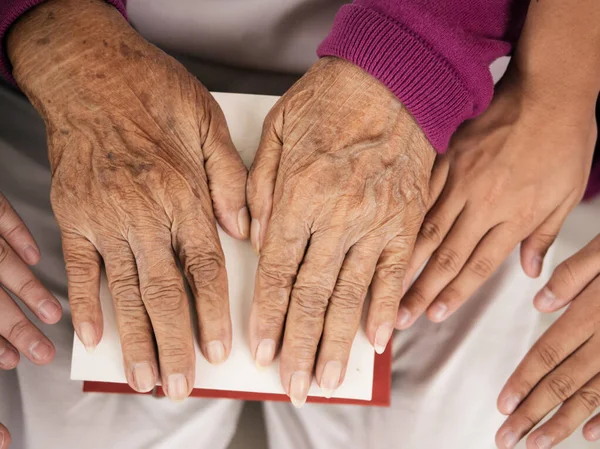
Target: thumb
x=535, y=247
x=226, y=177
x=262, y=177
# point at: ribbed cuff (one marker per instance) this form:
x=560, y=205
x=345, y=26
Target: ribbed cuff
x=423, y=80
x=10, y=11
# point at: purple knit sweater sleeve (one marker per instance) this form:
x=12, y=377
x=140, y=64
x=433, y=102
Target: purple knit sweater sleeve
x=433, y=54
x=10, y=11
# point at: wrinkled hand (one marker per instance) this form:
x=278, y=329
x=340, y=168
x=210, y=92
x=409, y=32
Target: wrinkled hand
x=563, y=367
x=513, y=175
x=337, y=192
x=140, y=153
x=17, y=333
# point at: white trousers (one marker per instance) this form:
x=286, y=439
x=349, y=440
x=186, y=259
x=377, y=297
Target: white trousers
x=446, y=377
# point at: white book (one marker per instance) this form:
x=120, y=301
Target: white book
x=245, y=115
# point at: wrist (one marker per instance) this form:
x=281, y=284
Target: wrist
x=59, y=40
x=545, y=98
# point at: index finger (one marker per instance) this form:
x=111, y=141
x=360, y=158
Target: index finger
x=567, y=334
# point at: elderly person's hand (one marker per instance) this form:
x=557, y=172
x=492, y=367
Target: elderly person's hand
x=140, y=155
x=17, y=333
x=337, y=192
x=513, y=175
x=563, y=367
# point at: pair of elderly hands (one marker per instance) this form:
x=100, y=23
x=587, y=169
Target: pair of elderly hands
x=143, y=167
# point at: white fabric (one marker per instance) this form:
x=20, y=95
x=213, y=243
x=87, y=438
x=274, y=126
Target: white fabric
x=280, y=35
x=40, y=405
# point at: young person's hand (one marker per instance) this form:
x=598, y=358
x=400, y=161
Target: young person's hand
x=563, y=367
x=513, y=175
x=18, y=335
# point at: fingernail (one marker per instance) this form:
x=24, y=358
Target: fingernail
x=299, y=388
x=330, y=379
x=143, y=376
x=536, y=263
x=255, y=229
x=509, y=439
x=438, y=311
x=403, y=317
x=31, y=255
x=87, y=334
x=7, y=357
x=244, y=222
x=49, y=310
x=39, y=351
x=178, y=387
x=546, y=298
x=543, y=442
x=511, y=403
x=382, y=336
x=216, y=352
x=594, y=432
x=265, y=353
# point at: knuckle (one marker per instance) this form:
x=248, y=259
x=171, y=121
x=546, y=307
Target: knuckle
x=561, y=386
x=4, y=251
x=80, y=272
x=303, y=347
x=204, y=268
x=529, y=419
x=311, y=300
x=349, y=294
x=590, y=398
x=483, y=267
x=565, y=274
x=545, y=240
x=416, y=297
x=17, y=229
x=19, y=330
x=339, y=339
x=276, y=274
x=136, y=341
x=271, y=320
x=164, y=296
x=560, y=424
x=446, y=260
x=124, y=285
x=27, y=287
x=548, y=355
x=175, y=352
x=392, y=272
x=451, y=296
x=431, y=231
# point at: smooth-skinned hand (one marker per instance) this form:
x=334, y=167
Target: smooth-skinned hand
x=563, y=367
x=142, y=162
x=18, y=335
x=337, y=193
x=512, y=176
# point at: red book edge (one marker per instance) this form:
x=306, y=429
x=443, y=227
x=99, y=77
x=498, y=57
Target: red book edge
x=381, y=395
